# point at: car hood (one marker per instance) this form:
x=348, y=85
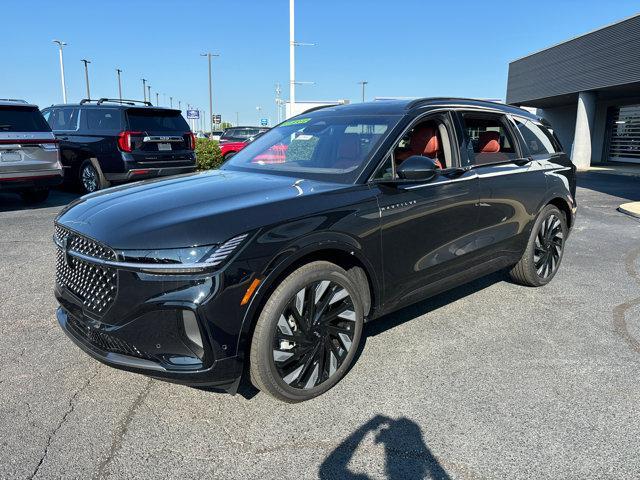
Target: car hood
x=195, y=209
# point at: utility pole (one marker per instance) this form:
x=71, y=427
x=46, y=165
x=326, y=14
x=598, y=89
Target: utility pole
x=61, y=45
x=209, y=55
x=363, y=83
x=179, y=105
x=171, y=102
x=118, y=71
x=157, y=99
x=144, y=89
x=149, y=93
x=86, y=76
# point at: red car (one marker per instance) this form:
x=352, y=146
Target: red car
x=235, y=139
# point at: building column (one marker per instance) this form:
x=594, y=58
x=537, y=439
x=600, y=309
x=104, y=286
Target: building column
x=581, y=154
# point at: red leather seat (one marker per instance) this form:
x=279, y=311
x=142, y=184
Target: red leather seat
x=489, y=148
x=424, y=141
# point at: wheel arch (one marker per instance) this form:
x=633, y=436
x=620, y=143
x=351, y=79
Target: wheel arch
x=563, y=205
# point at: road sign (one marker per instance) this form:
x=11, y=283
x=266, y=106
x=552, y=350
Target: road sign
x=264, y=122
x=193, y=114
x=217, y=119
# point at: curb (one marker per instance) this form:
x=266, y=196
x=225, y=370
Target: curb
x=632, y=209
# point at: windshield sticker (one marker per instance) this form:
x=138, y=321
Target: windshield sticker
x=298, y=121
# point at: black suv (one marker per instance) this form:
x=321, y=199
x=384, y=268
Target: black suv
x=112, y=141
x=331, y=219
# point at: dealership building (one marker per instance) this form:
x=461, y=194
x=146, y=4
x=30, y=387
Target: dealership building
x=589, y=89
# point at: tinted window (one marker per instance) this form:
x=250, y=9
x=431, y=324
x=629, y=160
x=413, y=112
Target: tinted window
x=239, y=134
x=65, y=118
x=150, y=120
x=103, y=119
x=321, y=145
x=536, y=139
x=22, y=119
x=488, y=140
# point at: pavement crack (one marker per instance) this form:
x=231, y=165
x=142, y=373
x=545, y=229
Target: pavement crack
x=121, y=431
x=70, y=409
x=619, y=312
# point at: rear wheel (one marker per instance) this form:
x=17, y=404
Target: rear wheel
x=89, y=177
x=307, y=334
x=35, y=195
x=544, y=251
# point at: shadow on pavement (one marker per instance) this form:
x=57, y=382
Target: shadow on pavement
x=620, y=186
x=57, y=198
x=406, y=455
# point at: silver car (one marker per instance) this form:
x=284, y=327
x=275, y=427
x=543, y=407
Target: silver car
x=29, y=153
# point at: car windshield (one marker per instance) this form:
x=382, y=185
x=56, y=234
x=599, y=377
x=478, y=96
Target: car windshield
x=22, y=119
x=322, y=146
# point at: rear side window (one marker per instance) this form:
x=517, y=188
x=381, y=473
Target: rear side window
x=22, y=119
x=240, y=134
x=149, y=120
x=103, y=119
x=538, y=141
x=65, y=118
x=488, y=139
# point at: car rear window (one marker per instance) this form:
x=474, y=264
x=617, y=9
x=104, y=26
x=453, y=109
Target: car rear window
x=148, y=120
x=22, y=119
x=239, y=134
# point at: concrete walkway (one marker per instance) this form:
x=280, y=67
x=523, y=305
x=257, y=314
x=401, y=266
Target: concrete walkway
x=631, y=208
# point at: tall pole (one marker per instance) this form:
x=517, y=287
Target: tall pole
x=118, y=71
x=209, y=55
x=179, y=105
x=149, y=93
x=144, y=89
x=292, y=57
x=363, y=83
x=62, y=44
x=157, y=99
x=237, y=119
x=86, y=76
x=171, y=102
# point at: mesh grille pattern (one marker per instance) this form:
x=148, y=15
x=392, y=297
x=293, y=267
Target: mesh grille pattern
x=103, y=340
x=96, y=286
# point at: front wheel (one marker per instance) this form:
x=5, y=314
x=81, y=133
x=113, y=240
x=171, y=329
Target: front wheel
x=544, y=251
x=307, y=334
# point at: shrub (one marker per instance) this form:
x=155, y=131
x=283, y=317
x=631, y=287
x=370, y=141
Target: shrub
x=207, y=154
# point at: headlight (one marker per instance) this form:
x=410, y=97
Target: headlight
x=191, y=259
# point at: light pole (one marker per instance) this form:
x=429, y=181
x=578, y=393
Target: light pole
x=86, y=76
x=237, y=119
x=157, y=99
x=118, y=71
x=149, y=93
x=209, y=55
x=258, y=108
x=61, y=45
x=144, y=89
x=179, y=105
x=292, y=59
x=363, y=83
x=171, y=102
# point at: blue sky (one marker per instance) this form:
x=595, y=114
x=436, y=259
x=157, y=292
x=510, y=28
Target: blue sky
x=402, y=48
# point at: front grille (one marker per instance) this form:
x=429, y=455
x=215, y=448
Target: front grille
x=103, y=340
x=96, y=286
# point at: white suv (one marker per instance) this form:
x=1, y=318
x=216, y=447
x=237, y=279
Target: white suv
x=29, y=153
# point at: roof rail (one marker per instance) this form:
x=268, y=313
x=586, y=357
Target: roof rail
x=116, y=100
x=17, y=100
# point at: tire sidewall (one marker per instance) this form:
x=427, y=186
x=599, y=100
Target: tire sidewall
x=271, y=314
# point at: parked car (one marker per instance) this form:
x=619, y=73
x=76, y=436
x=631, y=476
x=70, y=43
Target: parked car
x=375, y=206
x=216, y=134
x=235, y=139
x=107, y=141
x=29, y=155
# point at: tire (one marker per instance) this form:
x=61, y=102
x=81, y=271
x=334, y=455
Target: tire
x=545, y=248
x=35, y=195
x=293, y=358
x=89, y=177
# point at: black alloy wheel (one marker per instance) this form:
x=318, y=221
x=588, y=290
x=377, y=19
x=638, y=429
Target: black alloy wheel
x=548, y=246
x=308, y=332
x=314, y=334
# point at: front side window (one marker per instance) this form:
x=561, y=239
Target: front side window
x=64, y=118
x=320, y=146
x=488, y=139
x=537, y=140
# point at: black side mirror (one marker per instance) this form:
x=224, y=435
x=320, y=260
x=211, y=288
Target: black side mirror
x=417, y=167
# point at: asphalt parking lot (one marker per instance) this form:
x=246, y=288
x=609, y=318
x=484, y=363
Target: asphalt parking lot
x=491, y=380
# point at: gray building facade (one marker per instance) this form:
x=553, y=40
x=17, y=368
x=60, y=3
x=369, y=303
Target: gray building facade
x=589, y=89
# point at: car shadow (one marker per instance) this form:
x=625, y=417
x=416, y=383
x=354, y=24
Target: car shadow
x=407, y=456
x=619, y=186
x=57, y=198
